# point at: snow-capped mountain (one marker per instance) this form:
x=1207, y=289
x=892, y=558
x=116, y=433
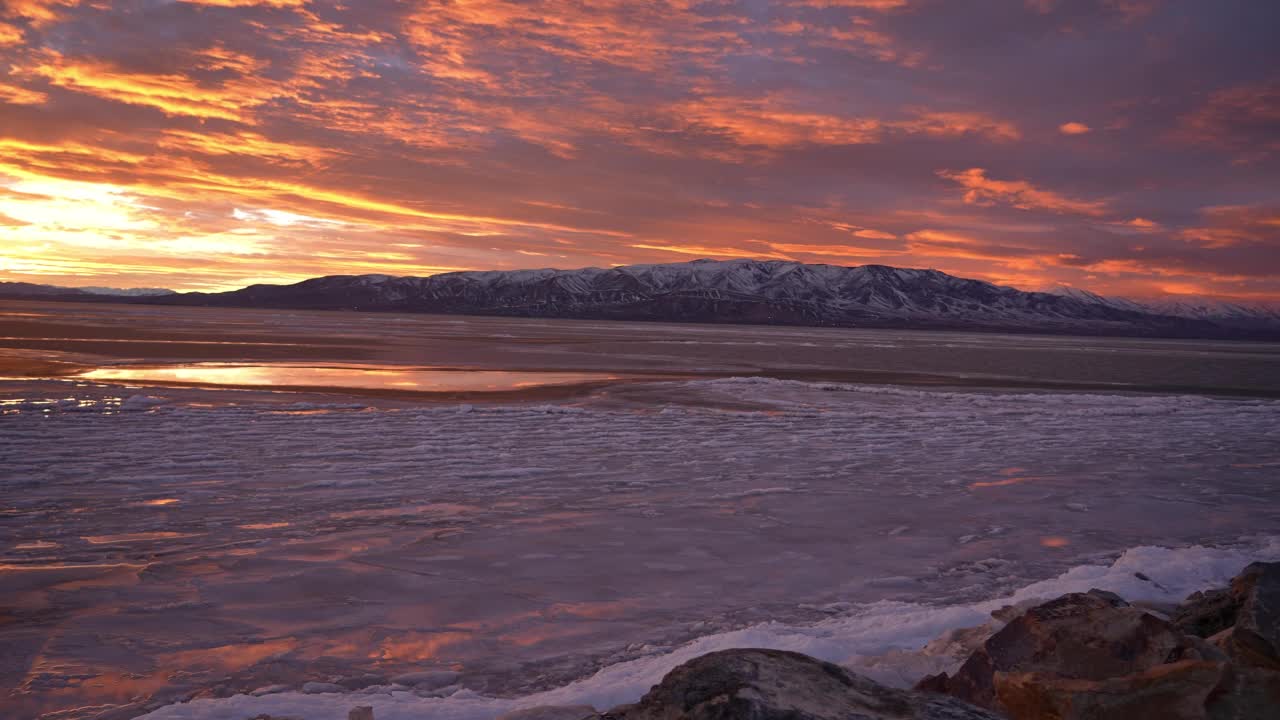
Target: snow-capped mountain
x=749, y=291
x=1193, y=308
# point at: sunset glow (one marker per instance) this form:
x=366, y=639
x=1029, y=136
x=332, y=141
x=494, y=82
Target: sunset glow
x=1133, y=148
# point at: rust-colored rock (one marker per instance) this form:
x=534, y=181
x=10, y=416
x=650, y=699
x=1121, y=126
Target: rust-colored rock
x=1174, y=691
x=1081, y=636
x=1092, y=656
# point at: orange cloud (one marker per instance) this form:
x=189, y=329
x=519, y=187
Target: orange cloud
x=1074, y=128
x=641, y=36
x=711, y=252
x=982, y=190
x=773, y=122
x=21, y=96
x=881, y=5
x=956, y=124
x=248, y=3
x=845, y=252
x=9, y=35
x=861, y=36
x=874, y=234
x=946, y=244
x=1241, y=119
x=172, y=93
x=1235, y=225
x=245, y=143
x=38, y=12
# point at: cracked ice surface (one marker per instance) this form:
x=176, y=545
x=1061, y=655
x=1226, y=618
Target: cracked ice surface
x=179, y=551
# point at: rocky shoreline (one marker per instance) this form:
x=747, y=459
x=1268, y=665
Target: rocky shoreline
x=1081, y=656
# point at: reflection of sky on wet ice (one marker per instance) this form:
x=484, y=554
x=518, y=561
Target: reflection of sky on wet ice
x=377, y=377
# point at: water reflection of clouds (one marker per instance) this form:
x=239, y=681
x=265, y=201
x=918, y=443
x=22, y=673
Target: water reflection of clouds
x=367, y=377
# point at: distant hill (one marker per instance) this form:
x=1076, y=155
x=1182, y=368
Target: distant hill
x=751, y=291
x=33, y=290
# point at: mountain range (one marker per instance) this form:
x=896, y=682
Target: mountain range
x=34, y=290
x=741, y=291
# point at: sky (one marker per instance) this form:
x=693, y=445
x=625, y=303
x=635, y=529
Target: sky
x=1131, y=147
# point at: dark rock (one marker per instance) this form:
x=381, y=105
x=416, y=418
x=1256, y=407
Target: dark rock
x=1092, y=656
x=1258, y=620
x=1207, y=613
x=1245, y=693
x=360, y=712
x=1081, y=636
x=752, y=684
x=933, y=683
x=1243, y=619
x=1212, y=611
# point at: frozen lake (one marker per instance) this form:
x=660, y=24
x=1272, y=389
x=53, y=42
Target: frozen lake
x=168, y=541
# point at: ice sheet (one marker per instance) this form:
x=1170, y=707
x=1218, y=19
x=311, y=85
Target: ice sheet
x=886, y=640
x=174, y=551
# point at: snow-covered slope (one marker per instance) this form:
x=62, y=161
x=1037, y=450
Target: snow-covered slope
x=1235, y=315
x=752, y=291
x=1215, y=310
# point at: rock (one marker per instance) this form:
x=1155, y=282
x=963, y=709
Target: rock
x=1005, y=613
x=778, y=685
x=1092, y=656
x=933, y=683
x=1245, y=692
x=1245, y=647
x=1210, y=612
x=1173, y=691
x=362, y=712
x=426, y=680
x=313, y=688
x=1081, y=636
x=1184, y=690
x=1243, y=619
x=1207, y=613
x=552, y=712
x=1258, y=620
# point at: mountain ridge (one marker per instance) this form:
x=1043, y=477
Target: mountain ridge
x=772, y=292
x=741, y=291
x=25, y=289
